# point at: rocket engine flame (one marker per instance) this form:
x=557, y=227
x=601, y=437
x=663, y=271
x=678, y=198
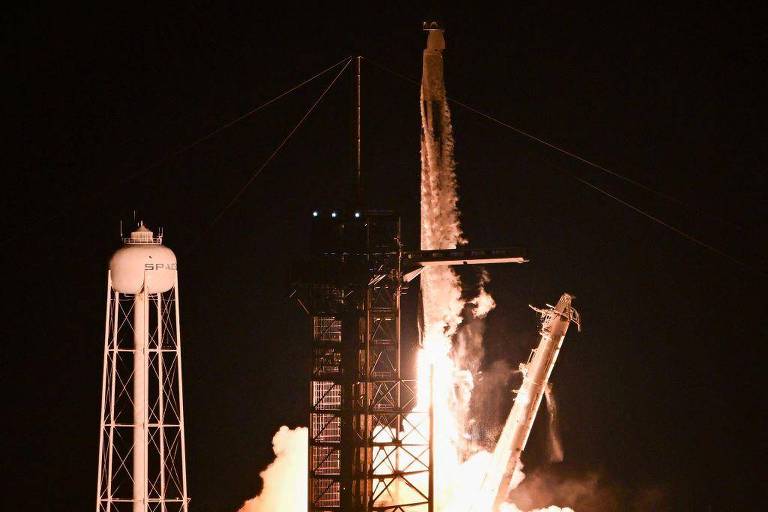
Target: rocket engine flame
x=442, y=303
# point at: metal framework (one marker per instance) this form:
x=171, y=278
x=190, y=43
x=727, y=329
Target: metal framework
x=142, y=466
x=369, y=443
x=369, y=446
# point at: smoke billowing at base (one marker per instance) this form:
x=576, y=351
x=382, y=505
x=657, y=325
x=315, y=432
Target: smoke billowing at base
x=285, y=480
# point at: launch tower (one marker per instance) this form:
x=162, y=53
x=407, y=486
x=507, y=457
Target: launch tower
x=360, y=429
x=369, y=445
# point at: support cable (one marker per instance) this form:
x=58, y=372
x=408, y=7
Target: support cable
x=659, y=221
x=175, y=153
x=651, y=217
x=565, y=152
x=274, y=153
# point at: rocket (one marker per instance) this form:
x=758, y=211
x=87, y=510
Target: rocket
x=506, y=457
x=434, y=103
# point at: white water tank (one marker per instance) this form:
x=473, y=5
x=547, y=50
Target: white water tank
x=143, y=262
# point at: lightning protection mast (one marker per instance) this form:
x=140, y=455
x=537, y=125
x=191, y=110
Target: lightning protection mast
x=368, y=445
x=142, y=466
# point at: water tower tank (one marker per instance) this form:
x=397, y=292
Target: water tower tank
x=143, y=262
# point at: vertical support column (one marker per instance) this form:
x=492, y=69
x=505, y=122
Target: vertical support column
x=184, y=496
x=161, y=398
x=140, y=438
x=431, y=484
x=358, y=133
x=102, y=418
x=398, y=283
x=350, y=436
x=367, y=427
x=326, y=413
x=113, y=359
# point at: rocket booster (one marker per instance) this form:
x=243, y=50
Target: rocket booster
x=506, y=457
x=433, y=96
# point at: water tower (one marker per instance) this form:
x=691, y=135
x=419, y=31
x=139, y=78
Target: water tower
x=142, y=466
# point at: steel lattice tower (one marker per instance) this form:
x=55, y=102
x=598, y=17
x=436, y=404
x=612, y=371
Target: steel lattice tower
x=368, y=445
x=142, y=466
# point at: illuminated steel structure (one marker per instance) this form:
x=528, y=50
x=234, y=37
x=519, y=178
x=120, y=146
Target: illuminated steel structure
x=369, y=446
x=360, y=428
x=142, y=466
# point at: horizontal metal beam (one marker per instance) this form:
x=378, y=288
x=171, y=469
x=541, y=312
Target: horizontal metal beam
x=447, y=257
x=466, y=256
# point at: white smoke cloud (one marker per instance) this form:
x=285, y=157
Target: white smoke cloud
x=484, y=303
x=285, y=480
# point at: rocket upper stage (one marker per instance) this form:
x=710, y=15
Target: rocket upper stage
x=432, y=84
x=435, y=39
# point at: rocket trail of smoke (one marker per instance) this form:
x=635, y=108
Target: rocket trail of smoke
x=442, y=304
x=449, y=359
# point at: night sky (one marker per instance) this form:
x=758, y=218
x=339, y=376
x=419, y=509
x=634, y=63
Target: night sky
x=662, y=393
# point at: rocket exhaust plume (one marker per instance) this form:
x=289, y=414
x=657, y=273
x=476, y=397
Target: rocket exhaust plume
x=447, y=368
x=442, y=304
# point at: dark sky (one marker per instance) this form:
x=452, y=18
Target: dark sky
x=664, y=388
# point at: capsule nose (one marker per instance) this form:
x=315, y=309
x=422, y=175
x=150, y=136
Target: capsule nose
x=435, y=40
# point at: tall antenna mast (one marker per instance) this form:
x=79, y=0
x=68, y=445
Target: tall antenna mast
x=358, y=133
